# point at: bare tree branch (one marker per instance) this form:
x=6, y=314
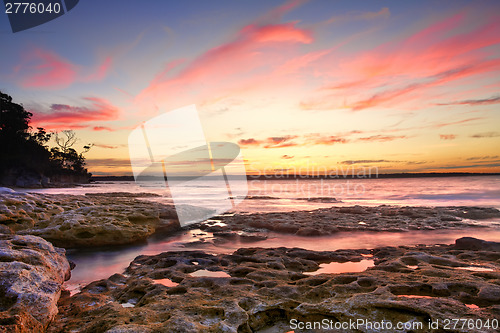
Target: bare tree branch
x=66, y=140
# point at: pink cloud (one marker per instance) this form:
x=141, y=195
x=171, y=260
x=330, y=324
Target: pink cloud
x=102, y=128
x=101, y=72
x=406, y=70
x=482, y=101
x=418, y=55
x=313, y=139
x=382, y=138
x=299, y=62
x=271, y=142
x=249, y=142
x=42, y=69
x=280, y=141
x=277, y=13
x=318, y=139
x=447, y=136
x=456, y=122
x=286, y=32
x=402, y=93
x=63, y=116
x=243, y=62
x=99, y=145
x=383, y=13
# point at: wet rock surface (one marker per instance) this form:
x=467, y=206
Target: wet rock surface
x=85, y=220
x=250, y=290
x=118, y=218
x=470, y=243
x=122, y=194
x=327, y=221
x=263, y=289
x=31, y=275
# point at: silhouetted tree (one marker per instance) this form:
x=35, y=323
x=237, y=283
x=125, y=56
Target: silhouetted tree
x=65, y=140
x=41, y=137
x=14, y=119
x=24, y=150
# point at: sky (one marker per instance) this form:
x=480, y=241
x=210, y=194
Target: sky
x=308, y=86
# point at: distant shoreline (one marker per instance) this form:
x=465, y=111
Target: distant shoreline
x=340, y=177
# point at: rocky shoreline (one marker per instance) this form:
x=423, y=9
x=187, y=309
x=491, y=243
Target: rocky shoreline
x=31, y=275
x=261, y=290
x=73, y=221
x=121, y=218
x=250, y=290
x=326, y=221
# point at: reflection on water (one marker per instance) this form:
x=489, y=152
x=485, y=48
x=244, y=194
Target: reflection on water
x=288, y=195
x=128, y=305
x=415, y=296
x=205, y=273
x=477, y=269
x=95, y=265
x=166, y=282
x=291, y=195
x=213, y=223
x=342, y=267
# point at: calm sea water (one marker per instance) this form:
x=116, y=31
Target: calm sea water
x=304, y=194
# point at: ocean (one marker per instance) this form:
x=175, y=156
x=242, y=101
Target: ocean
x=272, y=195
x=290, y=195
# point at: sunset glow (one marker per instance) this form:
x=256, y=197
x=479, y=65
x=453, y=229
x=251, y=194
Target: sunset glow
x=318, y=85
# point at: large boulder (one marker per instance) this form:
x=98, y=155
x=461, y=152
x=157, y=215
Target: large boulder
x=31, y=275
x=471, y=243
x=98, y=226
